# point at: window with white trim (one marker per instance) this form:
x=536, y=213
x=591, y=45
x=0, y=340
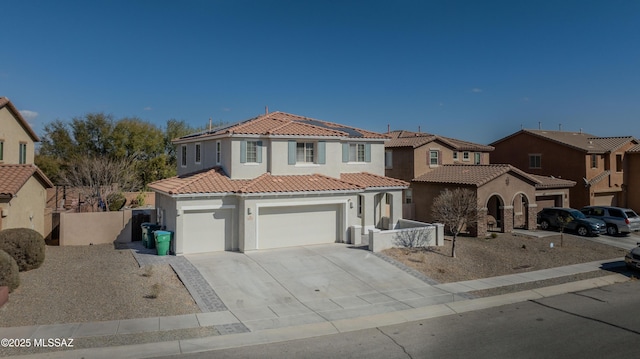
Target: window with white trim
x=23, y=153
x=198, y=153
x=252, y=151
x=465, y=156
x=476, y=158
x=455, y=155
x=594, y=161
x=305, y=152
x=360, y=200
x=408, y=196
x=183, y=156
x=356, y=152
x=433, y=157
x=1, y=150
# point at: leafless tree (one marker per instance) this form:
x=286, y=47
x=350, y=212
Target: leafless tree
x=98, y=177
x=456, y=209
x=412, y=238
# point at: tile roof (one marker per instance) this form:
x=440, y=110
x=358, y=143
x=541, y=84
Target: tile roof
x=634, y=149
x=368, y=180
x=578, y=140
x=13, y=177
x=547, y=182
x=214, y=180
x=477, y=175
x=416, y=139
x=4, y=102
x=598, y=177
x=283, y=124
x=268, y=183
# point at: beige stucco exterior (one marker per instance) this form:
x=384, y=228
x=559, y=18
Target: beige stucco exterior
x=12, y=134
x=26, y=209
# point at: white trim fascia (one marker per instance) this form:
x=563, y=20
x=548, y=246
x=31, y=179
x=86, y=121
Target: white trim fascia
x=377, y=189
x=180, y=141
x=300, y=193
x=206, y=206
x=200, y=195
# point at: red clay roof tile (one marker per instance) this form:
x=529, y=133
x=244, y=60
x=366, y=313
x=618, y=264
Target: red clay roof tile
x=13, y=177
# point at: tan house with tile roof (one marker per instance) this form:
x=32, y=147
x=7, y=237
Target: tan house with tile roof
x=508, y=197
x=632, y=177
x=274, y=181
x=22, y=185
x=599, y=165
x=411, y=154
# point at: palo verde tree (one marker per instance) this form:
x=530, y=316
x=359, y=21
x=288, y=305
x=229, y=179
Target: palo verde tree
x=456, y=209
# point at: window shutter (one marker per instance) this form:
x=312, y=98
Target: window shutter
x=322, y=157
x=367, y=152
x=345, y=152
x=243, y=151
x=292, y=152
x=439, y=157
x=259, y=152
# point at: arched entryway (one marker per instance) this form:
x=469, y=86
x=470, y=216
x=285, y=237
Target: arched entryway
x=495, y=214
x=520, y=206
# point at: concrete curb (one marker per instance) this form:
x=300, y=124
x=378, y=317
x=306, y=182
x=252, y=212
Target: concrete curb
x=326, y=328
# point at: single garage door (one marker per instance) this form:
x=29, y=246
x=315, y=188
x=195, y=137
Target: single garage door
x=548, y=201
x=605, y=199
x=298, y=225
x=207, y=231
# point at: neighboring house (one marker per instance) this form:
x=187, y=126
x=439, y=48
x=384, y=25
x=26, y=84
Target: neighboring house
x=22, y=185
x=632, y=177
x=411, y=154
x=274, y=181
x=508, y=197
x=597, y=164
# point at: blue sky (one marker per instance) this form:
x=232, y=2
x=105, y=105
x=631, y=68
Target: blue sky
x=474, y=70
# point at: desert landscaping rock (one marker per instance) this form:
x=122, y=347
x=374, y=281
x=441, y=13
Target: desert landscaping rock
x=94, y=283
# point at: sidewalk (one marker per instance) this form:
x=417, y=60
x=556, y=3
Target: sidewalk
x=234, y=333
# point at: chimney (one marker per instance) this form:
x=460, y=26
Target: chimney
x=210, y=123
x=419, y=131
x=266, y=110
x=388, y=128
x=539, y=125
x=559, y=127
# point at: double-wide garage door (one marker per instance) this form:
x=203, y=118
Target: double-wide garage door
x=207, y=231
x=298, y=225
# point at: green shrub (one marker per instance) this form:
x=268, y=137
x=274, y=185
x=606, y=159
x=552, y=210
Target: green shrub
x=24, y=245
x=9, y=273
x=116, y=201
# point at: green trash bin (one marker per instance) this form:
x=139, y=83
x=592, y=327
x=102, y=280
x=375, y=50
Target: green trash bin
x=163, y=242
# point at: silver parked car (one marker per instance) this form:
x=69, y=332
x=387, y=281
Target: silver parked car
x=618, y=220
x=632, y=259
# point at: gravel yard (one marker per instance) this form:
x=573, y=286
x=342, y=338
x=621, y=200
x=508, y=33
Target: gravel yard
x=94, y=283
x=507, y=254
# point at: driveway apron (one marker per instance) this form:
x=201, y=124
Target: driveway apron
x=302, y=285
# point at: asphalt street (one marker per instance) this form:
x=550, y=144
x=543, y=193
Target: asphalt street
x=596, y=323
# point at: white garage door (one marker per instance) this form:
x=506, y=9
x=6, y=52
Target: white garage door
x=297, y=225
x=605, y=199
x=207, y=231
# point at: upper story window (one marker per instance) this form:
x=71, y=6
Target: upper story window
x=251, y=152
x=305, y=152
x=23, y=153
x=183, y=156
x=434, y=157
x=356, y=152
x=455, y=155
x=198, y=153
x=408, y=196
x=1, y=150
x=594, y=161
x=618, y=161
x=477, y=159
x=535, y=160
x=218, y=152
x=388, y=159
x=465, y=156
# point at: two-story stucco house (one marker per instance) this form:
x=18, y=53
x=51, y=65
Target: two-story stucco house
x=276, y=180
x=597, y=164
x=22, y=185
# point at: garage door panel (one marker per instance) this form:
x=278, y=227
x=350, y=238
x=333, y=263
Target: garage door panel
x=605, y=199
x=207, y=231
x=297, y=225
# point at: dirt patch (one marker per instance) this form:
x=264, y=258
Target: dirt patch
x=506, y=254
x=94, y=283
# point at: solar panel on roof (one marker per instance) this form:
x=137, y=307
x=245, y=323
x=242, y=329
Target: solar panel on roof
x=352, y=132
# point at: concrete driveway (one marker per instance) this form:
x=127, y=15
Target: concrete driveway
x=301, y=285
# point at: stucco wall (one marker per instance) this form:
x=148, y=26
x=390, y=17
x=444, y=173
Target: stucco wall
x=402, y=164
x=26, y=209
x=633, y=181
x=95, y=227
x=12, y=134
